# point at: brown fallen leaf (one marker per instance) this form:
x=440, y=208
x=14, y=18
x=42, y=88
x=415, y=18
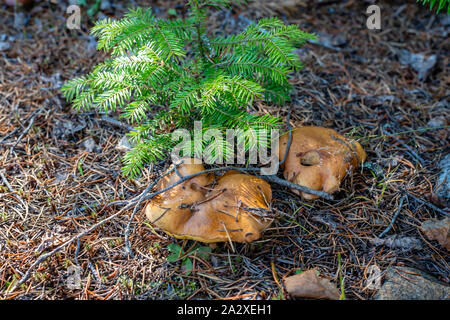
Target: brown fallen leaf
x=308, y=285
x=438, y=230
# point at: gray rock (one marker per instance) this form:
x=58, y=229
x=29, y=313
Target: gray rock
x=444, y=19
x=443, y=182
x=124, y=144
x=105, y=5
x=89, y=145
x=403, y=283
x=4, y=46
x=437, y=122
x=330, y=41
x=54, y=79
x=421, y=64
x=4, y=37
x=91, y=44
x=65, y=129
x=20, y=20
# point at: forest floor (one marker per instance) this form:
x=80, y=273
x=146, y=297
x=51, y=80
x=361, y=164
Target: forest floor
x=59, y=169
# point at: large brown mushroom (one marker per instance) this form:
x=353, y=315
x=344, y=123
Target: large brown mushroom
x=319, y=158
x=235, y=209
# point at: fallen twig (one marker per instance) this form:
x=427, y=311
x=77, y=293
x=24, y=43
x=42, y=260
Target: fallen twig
x=14, y=193
x=400, y=205
x=30, y=124
x=78, y=236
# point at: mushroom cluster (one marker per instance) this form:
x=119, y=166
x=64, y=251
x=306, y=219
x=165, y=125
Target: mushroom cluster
x=319, y=158
x=236, y=207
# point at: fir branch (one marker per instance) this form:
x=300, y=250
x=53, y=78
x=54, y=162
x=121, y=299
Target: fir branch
x=175, y=67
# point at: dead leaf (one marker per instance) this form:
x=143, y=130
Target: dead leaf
x=438, y=230
x=308, y=285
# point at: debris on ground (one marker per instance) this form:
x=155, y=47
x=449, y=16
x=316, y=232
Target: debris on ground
x=308, y=284
x=404, y=283
x=124, y=144
x=396, y=242
x=443, y=182
x=4, y=45
x=421, y=63
x=438, y=230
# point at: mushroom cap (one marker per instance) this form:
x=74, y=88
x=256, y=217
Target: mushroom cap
x=319, y=158
x=234, y=209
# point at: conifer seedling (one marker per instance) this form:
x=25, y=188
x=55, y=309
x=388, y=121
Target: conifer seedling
x=166, y=74
x=438, y=5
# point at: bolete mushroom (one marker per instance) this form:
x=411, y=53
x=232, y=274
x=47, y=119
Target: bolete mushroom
x=319, y=158
x=234, y=209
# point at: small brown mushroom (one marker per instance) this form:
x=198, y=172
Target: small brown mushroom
x=319, y=158
x=235, y=209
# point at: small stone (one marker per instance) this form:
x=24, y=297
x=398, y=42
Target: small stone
x=105, y=5
x=55, y=80
x=421, y=64
x=437, y=122
x=330, y=41
x=20, y=20
x=443, y=183
x=444, y=19
x=4, y=46
x=91, y=44
x=65, y=129
x=124, y=144
x=403, y=283
x=89, y=145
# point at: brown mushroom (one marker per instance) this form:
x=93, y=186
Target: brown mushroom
x=319, y=158
x=235, y=209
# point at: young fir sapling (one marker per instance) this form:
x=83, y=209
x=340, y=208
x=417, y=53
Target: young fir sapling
x=437, y=4
x=166, y=74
